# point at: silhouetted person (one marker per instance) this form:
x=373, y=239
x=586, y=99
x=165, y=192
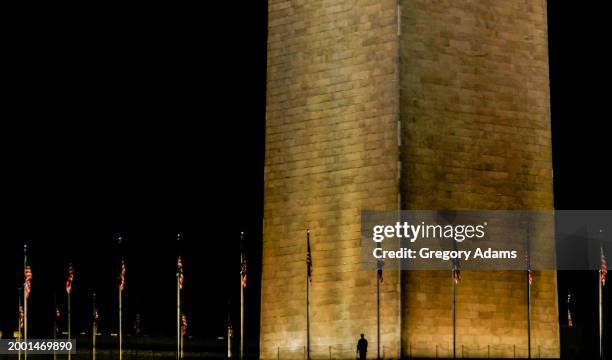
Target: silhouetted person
x=362, y=348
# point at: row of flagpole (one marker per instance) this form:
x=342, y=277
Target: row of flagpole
x=27, y=288
x=182, y=320
x=602, y=274
x=456, y=278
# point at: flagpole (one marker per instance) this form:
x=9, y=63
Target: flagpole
x=241, y=296
x=25, y=301
x=69, y=328
x=308, y=298
x=19, y=323
x=454, y=315
x=456, y=277
x=120, y=327
x=120, y=293
x=528, y=292
x=601, y=354
x=600, y=282
x=182, y=343
x=229, y=342
x=137, y=332
x=55, y=323
x=95, y=328
x=178, y=318
x=377, y=315
x=379, y=279
x=178, y=299
x=528, y=319
x=229, y=330
x=307, y=319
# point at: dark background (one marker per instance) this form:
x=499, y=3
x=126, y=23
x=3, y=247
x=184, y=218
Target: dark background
x=143, y=122
x=579, y=70
x=150, y=121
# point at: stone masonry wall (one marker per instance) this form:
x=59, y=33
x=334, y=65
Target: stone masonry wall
x=473, y=102
x=331, y=150
x=476, y=135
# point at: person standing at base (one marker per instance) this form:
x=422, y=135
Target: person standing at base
x=362, y=347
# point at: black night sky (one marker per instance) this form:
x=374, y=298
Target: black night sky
x=149, y=121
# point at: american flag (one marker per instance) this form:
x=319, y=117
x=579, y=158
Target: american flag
x=183, y=324
x=570, y=322
x=20, y=316
x=28, y=280
x=530, y=275
x=380, y=263
x=122, y=285
x=96, y=316
x=179, y=272
x=243, y=271
x=243, y=262
x=456, y=272
x=604, y=267
x=308, y=257
x=70, y=279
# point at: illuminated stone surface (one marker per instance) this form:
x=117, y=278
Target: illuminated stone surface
x=471, y=93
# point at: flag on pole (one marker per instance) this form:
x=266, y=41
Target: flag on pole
x=179, y=286
x=179, y=272
x=70, y=279
x=309, y=257
x=604, y=267
x=530, y=274
x=380, y=263
x=569, y=312
x=96, y=318
x=94, y=331
x=20, y=316
x=122, y=285
x=28, y=280
x=456, y=272
x=243, y=271
x=183, y=325
x=243, y=262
